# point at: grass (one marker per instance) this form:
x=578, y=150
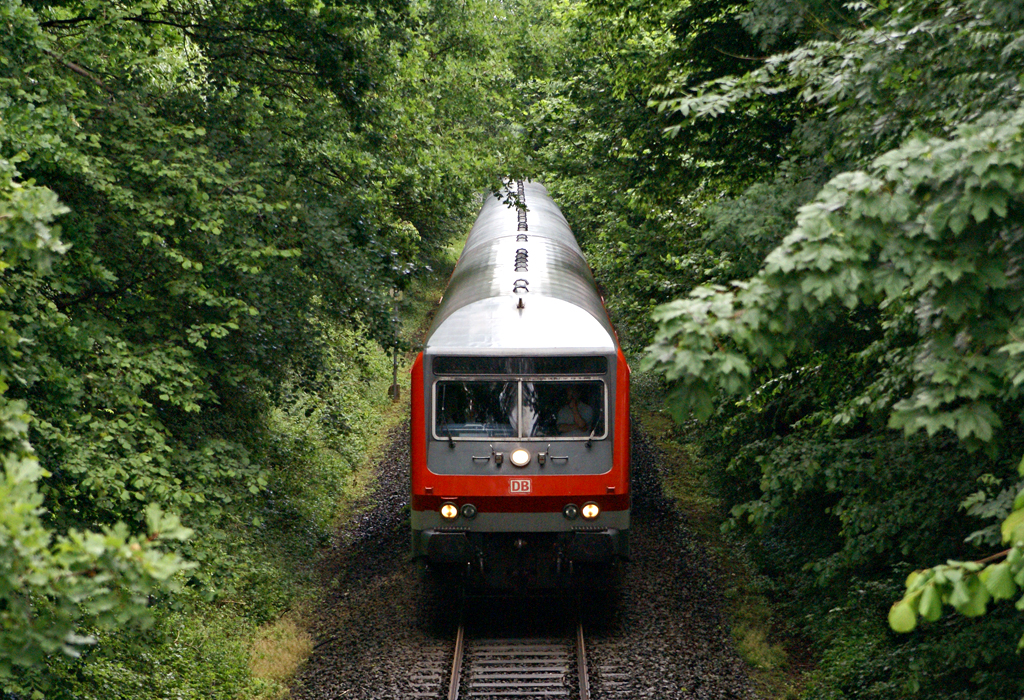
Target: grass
x=416, y=306
x=343, y=478
x=277, y=651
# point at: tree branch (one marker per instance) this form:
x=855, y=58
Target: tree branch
x=994, y=557
x=67, y=22
x=78, y=69
x=96, y=293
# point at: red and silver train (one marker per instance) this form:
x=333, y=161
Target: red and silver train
x=520, y=409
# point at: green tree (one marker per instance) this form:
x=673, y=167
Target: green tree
x=234, y=180
x=52, y=588
x=891, y=302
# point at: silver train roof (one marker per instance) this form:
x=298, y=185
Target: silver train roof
x=562, y=309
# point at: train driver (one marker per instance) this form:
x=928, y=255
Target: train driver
x=575, y=417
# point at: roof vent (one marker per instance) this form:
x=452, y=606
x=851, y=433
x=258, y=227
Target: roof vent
x=522, y=260
x=521, y=286
x=521, y=195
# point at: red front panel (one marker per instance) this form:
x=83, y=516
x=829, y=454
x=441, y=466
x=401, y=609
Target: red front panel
x=620, y=455
x=520, y=504
x=504, y=493
x=500, y=492
x=418, y=427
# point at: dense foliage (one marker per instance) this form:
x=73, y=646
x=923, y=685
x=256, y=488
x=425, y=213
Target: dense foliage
x=836, y=189
x=239, y=187
x=809, y=211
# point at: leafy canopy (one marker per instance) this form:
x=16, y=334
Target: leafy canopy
x=916, y=233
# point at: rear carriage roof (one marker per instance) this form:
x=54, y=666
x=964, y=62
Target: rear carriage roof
x=562, y=309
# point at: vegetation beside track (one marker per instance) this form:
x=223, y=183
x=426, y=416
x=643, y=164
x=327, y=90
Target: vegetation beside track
x=200, y=244
x=775, y=653
x=812, y=210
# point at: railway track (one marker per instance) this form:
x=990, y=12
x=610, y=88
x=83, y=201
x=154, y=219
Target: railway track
x=497, y=663
x=519, y=668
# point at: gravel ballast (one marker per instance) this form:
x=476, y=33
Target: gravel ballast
x=384, y=629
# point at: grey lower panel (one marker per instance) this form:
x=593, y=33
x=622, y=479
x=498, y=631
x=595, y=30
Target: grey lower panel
x=519, y=522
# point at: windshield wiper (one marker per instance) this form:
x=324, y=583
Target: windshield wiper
x=598, y=422
x=444, y=420
x=447, y=432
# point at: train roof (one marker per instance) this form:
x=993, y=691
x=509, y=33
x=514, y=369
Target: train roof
x=562, y=311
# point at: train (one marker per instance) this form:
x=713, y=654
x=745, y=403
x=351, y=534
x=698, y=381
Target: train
x=520, y=427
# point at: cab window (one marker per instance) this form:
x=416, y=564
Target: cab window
x=563, y=409
x=483, y=409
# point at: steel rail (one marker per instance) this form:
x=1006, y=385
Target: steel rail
x=581, y=658
x=456, y=679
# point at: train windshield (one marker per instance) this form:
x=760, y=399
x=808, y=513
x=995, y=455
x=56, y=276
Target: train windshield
x=477, y=409
x=563, y=409
x=555, y=408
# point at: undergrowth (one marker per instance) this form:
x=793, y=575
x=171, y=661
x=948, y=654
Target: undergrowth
x=768, y=647
x=239, y=627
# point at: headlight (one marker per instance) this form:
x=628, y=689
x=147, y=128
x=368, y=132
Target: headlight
x=449, y=511
x=591, y=510
x=468, y=511
x=520, y=457
x=571, y=511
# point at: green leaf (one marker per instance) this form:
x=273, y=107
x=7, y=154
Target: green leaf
x=970, y=597
x=998, y=579
x=1012, y=528
x=930, y=605
x=902, y=617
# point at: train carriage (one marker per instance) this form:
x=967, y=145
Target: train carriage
x=520, y=408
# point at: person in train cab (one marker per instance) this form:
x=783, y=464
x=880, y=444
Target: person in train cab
x=575, y=417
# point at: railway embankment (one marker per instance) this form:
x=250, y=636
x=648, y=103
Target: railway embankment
x=776, y=655
x=382, y=630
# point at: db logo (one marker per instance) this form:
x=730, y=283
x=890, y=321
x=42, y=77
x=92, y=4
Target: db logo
x=519, y=485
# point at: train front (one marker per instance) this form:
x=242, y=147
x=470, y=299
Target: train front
x=520, y=414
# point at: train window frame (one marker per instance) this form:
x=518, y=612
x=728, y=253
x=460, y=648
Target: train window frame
x=520, y=380
x=477, y=380
x=516, y=365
